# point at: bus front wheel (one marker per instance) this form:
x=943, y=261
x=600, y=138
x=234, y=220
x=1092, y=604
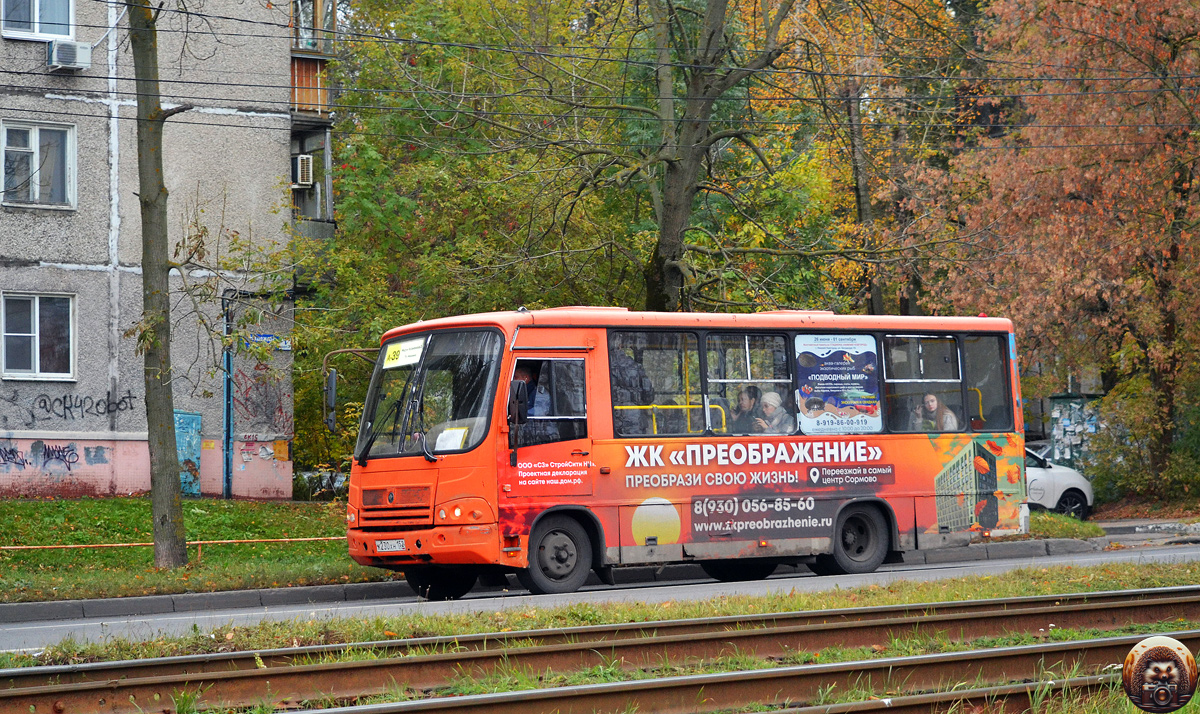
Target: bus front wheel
x=860, y=542
x=560, y=557
x=440, y=582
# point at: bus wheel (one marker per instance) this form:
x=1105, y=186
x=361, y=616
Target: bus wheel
x=440, y=582
x=560, y=557
x=860, y=542
x=733, y=571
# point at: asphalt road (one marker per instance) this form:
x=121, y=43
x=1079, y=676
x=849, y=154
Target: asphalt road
x=35, y=635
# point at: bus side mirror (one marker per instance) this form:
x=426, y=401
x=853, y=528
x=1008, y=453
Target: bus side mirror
x=518, y=402
x=518, y=414
x=331, y=400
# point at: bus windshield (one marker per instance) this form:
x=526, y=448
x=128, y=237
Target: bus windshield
x=430, y=394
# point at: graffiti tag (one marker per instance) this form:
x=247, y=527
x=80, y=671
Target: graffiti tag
x=70, y=407
x=64, y=454
x=260, y=402
x=12, y=456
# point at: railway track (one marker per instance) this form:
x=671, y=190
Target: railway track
x=289, y=676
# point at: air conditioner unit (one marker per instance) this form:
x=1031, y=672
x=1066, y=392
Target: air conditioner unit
x=63, y=54
x=302, y=171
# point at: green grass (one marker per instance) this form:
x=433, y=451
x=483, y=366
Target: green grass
x=115, y=572
x=1046, y=524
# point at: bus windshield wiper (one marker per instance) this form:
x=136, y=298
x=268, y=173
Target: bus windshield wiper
x=377, y=429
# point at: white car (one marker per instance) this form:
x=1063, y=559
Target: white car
x=1057, y=488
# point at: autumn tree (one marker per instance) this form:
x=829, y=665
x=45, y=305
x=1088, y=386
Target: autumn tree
x=1086, y=209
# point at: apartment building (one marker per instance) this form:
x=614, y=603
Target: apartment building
x=247, y=159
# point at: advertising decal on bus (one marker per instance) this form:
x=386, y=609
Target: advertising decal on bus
x=839, y=384
x=790, y=488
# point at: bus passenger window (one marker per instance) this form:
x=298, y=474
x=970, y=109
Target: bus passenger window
x=923, y=385
x=742, y=370
x=557, y=403
x=985, y=360
x=655, y=379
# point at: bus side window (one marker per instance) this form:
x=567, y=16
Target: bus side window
x=985, y=360
x=655, y=380
x=557, y=400
x=923, y=384
x=741, y=370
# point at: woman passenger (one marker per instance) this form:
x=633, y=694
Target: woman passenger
x=775, y=419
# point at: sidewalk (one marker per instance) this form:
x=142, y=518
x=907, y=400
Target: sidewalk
x=1119, y=534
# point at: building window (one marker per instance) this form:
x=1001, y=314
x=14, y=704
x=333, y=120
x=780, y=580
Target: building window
x=38, y=336
x=39, y=164
x=313, y=25
x=37, y=19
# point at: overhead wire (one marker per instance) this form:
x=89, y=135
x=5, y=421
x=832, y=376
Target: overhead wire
x=609, y=117
x=469, y=96
x=184, y=119
x=506, y=49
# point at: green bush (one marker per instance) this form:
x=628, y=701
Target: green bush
x=1119, y=462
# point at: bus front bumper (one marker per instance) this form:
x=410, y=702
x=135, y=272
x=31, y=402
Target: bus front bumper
x=449, y=545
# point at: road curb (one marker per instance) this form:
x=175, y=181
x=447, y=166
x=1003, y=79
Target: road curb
x=196, y=602
x=1008, y=550
x=360, y=592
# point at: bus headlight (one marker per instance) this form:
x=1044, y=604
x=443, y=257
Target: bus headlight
x=465, y=511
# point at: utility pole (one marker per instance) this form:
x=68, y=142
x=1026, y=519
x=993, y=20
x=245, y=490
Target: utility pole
x=170, y=543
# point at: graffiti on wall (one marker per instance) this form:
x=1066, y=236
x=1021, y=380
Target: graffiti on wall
x=12, y=457
x=46, y=457
x=65, y=407
x=63, y=454
x=261, y=402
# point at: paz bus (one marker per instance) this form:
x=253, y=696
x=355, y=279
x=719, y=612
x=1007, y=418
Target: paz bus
x=557, y=443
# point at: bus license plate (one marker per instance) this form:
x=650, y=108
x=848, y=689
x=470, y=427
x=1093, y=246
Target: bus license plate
x=389, y=546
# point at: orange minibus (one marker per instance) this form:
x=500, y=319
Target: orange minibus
x=557, y=443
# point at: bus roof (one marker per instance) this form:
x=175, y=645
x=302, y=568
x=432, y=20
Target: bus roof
x=620, y=317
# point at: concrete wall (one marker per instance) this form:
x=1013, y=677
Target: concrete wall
x=228, y=156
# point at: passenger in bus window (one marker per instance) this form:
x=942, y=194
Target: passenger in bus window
x=539, y=429
x=630, y=388
x=745, y=411
x=932, y=415
x=775, y=419
x=539, y=396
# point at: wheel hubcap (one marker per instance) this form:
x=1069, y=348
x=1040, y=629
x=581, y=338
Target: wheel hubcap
x=557, y=555
x=856, y=538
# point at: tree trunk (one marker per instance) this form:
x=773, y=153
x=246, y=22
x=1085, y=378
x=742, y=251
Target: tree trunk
x=665, y=278
x=1164, y=366
x=862, y=192
x=170, y=550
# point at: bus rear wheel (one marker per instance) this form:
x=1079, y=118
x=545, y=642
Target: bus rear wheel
x=560, y=557
x=440, y=582
x=733, y=571
x=860, y=542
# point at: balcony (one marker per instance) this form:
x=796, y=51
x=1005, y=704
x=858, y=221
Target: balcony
x=313, y=29
x=310, y=90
